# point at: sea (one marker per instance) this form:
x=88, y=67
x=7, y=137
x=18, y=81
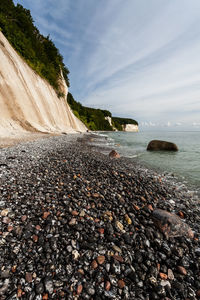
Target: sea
x=184, y=165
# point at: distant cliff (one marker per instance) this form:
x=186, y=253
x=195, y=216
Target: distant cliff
x=100, y=120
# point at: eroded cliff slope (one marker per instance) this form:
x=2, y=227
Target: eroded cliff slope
x=28, y=102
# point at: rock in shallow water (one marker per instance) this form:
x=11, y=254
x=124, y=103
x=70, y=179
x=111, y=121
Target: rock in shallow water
x=170, y=224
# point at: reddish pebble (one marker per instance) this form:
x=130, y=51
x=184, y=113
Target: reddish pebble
x=37, y=227
x=74, y=213
x=101, y=259
x=101, y=230
x=14, y=269
x=181, y=214
x=150, y=207
x=19, y=293
x=163, y=276
x=81, y=271
x=45, y=297
x=121, y=284
x=94, y=264
x=45, y=215
x=10, y=228
x=35, y=238
x=23, y=218
x=95, y=195
x=198, y=293
x=182, y=270
x=107, y=286
x=79, y=289
x=119, y=258
x=29, y=277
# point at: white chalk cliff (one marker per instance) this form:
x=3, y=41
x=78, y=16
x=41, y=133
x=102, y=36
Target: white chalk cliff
x=131, y=128
x=28, y=102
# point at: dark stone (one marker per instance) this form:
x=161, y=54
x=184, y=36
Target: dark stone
x=157, y=145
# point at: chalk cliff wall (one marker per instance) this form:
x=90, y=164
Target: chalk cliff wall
x=131, y=128
x=28, y=102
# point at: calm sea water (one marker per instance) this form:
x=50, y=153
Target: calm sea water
x=184, y=164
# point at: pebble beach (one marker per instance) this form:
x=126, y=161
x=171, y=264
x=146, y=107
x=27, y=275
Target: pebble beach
x=76, y=224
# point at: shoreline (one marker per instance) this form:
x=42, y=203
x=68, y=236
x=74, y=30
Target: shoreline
x=176, y=178
x=76, y=224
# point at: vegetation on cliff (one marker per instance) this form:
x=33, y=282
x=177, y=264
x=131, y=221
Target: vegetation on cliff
x=39, y=52
x=94, y=119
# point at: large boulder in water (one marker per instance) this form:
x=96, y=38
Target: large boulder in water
x=157, y=145
x=170, y=224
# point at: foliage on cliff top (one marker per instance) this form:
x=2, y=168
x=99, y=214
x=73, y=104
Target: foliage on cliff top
x=39, y=52
x=94, y=119
x=124, y=121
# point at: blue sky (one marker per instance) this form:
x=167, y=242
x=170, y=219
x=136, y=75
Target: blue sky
x=136, y=58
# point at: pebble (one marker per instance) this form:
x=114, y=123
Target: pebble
x=121, y=284
x=182, y=270
x=78, y=225
x=29, y=277
x=101, y=259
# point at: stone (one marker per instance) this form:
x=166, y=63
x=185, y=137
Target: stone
x=157, y=145
x=182, y=270
x=114, y=154
x=4, y=212
x=94, y=264
x=107, y=285
x=163, y=276
x=170, y=274
x=29, y=277
x=79, y=289
x=72, y=222
x=48, y=286
x=101, y=259
x=121, y=284
x=170, y=224
x=45, y=215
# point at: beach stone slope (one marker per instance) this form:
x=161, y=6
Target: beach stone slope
x=75, y=224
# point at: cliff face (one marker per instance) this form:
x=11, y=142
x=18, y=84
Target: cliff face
x=131, y=128
x=28, y=102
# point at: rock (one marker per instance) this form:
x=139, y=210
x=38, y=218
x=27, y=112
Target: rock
x=48, y=285
x=72, y=222
x=39, y=288
x=182, y=270
x=119, y=226
x=94, y=264
x=79, y=289
x=101, y=259
x=4, y=212
x=45, y=215
x=114, y=154
x=29, y=277
x=170, y=224
x=170, y=274
x=163, y=276
x=107, y=285
x=157, y=145
x=121, y=284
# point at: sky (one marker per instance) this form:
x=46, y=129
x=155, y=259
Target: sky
x=137, y=58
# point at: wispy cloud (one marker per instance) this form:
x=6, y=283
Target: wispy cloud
x=137, y=58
